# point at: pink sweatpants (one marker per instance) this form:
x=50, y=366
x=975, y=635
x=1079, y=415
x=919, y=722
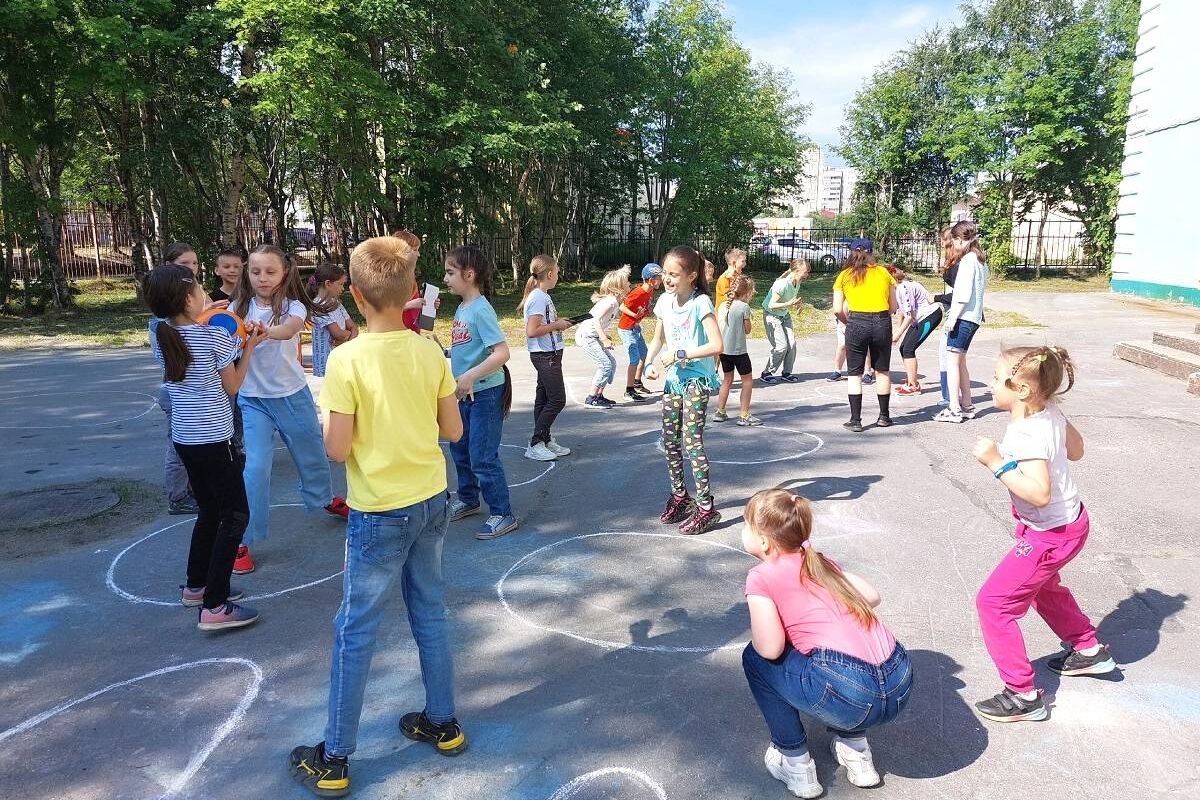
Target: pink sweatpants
x=1028, y=575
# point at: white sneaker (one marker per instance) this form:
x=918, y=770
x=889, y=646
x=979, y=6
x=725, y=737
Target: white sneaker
x=949, y=415
x=558, y=449
x=539, y=452
x=800, y=781
x=860, y=769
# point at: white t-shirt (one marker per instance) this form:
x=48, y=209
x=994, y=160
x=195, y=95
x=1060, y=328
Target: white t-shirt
x=539, y=302
x=1043, y=436
x=969, y=286
x=603, y=313
x=275, y=370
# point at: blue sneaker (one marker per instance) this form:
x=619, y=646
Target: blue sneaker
x=459, y=510
x=496, y=526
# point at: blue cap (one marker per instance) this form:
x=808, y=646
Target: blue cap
x=861, y=244
x=651, y=271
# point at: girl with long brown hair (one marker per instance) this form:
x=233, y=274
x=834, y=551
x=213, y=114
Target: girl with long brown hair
x=964, y=317
x=816, y=646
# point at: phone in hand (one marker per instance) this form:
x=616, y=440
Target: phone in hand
x=578, y=319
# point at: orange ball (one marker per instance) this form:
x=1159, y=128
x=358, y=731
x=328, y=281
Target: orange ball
x=226, y=319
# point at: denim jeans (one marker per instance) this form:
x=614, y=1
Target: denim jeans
x=175, y=478
x=215, y=471
x=295, y=417
x=606, y=364
x=477, y=454
x=635, y=344
x=380, y=547
x=846, y=693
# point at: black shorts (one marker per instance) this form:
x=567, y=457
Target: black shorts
x=868, y=334
x=739, y=363
x=918, y=332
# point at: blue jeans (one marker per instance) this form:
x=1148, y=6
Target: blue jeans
x=477, y=454
x=606, y=364
x=846, y=693
x=381, y=547
x=295, y=417
x=634, y=344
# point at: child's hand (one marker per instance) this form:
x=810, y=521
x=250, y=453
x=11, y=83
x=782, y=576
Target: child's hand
x=216, y=304
x=465, y=387
x=562, y=324
x=414, y=304
x=255, y=334
x=652, y=371
x=987, y=453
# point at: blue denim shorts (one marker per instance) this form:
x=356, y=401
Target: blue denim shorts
x=634, y=343
x=959, y=339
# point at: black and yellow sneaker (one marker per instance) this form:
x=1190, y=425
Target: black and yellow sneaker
x=323, y=775
x=448, y=737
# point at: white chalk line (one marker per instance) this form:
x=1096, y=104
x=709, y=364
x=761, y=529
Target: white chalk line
x=603, y=642
x=571, y=789
x=538, y=477
x=197, y=760
x=792, y=457
x=153, y=404
x=111, y=582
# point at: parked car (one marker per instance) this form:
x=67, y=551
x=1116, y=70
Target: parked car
x=785, y=248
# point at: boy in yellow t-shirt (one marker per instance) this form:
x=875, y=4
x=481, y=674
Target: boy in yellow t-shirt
x=390, y=395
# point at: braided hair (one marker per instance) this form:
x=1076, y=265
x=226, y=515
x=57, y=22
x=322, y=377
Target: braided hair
x=1044, y=368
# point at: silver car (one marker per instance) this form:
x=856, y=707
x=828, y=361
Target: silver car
x=785, y=248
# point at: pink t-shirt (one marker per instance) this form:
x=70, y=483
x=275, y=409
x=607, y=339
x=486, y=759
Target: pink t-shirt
x=812, y=617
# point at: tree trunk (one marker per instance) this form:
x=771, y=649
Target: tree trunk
x=6, y=257
x=1041, y=242
x=47, y=191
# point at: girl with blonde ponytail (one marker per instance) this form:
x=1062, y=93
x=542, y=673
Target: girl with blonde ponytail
x=816, y=645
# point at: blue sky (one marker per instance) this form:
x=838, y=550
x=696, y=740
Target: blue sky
x=830, y=47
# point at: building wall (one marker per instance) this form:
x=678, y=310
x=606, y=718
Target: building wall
x=1158, y=235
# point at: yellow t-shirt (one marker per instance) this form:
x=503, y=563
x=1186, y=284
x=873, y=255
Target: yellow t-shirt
x=871, y=293
x=391, y=382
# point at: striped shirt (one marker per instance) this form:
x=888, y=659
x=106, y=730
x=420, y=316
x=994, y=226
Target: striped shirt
x=322, y=342
x=200, y=410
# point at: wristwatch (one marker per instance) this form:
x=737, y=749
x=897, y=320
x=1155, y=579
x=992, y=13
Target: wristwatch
x=681, y=355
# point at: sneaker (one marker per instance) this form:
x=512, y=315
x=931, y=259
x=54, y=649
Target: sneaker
x=1009, y=707
x=749, y=421
x=907, y=389
x=860, y=768
x=338, y=508
x=720, y=416
x=195, y=597
x=496, y=526
x=767, y=377
x=606, y=401
x=702, y=520
x=229, y=615
x=853, y=425
x=884, y=422
x=790, y=378
x=834, y=376
x=459, y=510
x=641, y=387
x=969, y=412
x=185, y=506
x=679, y=508
x=554, y=447
x=322, y=775
x=447, y=737
x=539, y=452
x=1074, y=662
x=243, y=564
x=868, y=379
x=594, y=401
x=634, y=395
x=949, y=415
x=800, y=781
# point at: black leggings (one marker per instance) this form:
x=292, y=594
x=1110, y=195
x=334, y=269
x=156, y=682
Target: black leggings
x=215, y=472
x=918, y=332
x=868, y=334
x=551, y=397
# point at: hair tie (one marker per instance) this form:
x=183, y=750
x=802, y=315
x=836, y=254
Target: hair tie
x=807, y=544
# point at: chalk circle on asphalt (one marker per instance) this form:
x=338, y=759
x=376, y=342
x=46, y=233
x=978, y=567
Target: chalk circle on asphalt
x=175, y=784
x=803, y=444
x=548, y=467
x=610, y=778
x=110, y=579
x=564, y=586
x=75, y=409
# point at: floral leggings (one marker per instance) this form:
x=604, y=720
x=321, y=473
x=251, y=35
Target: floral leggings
x=683, y=430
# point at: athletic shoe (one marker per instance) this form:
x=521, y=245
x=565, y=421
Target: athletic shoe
x=554, y=447
x=800, y=781
x=749, y=421
x=447, y=737
x=594, y=402
x=834, y=377
x=459, y=510
x=496, y=526
x=860, y=768
x=243, y=564
x=679, y=508
x=606, y=401
x=949, y=415
x=338, y=508
x=702, y=520
x=1008, y=706
x=195, y=597
x=907, y=389
x=868, y=379
x=185, y=506
x=790, y=378
x=322, y=775
x=720, y=416
x=641, y=387
x=767, y=377
x=969, y=412
x=229, y=615
x=634, y=395
x=540, y=452
x=884, y=422
x=853, y=425
x=1074, y=662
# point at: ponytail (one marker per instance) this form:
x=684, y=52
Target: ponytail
x=176, y=355
x=506, y=395
x=166, y=289
x=538, y=268
x=819, y=570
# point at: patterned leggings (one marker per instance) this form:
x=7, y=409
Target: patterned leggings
x=683, y=430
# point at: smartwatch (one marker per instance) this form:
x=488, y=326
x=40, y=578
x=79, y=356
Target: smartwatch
x=681, y=355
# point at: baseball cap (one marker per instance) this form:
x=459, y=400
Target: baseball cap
x=651, y=271
x=861, y=244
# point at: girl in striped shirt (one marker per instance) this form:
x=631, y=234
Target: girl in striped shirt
x=201, y=369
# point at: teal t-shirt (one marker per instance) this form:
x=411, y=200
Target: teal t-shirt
x=782, y=291
x=683, y=329
x=474, y=333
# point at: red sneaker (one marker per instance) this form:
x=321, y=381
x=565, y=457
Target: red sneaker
x=337, y=506
x=907, y=389
x=243, y=564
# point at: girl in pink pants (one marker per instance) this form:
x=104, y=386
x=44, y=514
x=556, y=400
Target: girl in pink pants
x=1052, y=527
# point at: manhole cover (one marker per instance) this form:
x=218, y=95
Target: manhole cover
x=55, y=506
